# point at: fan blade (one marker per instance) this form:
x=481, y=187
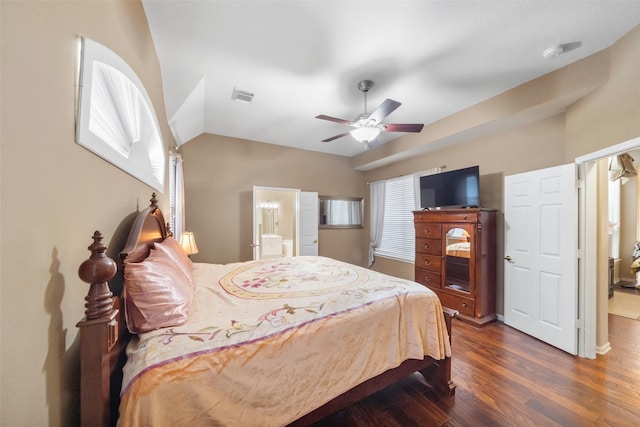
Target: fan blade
x=334, y=119
x=395, y=127
x=386, y=108
x=336, y=137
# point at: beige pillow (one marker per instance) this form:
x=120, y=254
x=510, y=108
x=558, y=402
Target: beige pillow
x=156, y=293
x=172, y=248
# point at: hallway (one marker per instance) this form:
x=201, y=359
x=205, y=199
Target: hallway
x=625, y=302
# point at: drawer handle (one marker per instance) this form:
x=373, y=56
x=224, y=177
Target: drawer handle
x=464, y=305
x=427, y=262
x=427, y=278
x=426, y=246
x=427, y=230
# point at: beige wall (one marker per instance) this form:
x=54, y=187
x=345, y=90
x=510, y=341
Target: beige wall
x=220, y=173
x=55, y=193
x=609, y=115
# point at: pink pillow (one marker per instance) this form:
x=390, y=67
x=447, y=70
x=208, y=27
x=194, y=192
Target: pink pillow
x=172, y=248
x=157, y=294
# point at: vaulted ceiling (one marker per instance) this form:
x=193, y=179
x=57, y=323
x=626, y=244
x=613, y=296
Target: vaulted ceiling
x=303, y=58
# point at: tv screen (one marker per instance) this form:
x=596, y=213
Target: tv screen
x=457, y=188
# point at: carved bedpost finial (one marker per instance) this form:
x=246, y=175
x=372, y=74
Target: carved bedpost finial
x=97, y=271
x=154, y=200
x=169, y=232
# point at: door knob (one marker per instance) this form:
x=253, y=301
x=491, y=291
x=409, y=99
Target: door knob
x=508, y=258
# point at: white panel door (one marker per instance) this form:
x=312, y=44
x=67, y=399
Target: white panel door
x=308, y=223
x=540, y=269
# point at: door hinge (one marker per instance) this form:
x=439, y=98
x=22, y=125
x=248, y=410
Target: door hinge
x=579, y=253
x=580, y=183
x=579, y=324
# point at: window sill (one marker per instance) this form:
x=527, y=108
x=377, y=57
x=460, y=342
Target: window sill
x=395, y=258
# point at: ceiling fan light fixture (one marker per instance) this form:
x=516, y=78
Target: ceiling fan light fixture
x=367, y=126
x=365, y=134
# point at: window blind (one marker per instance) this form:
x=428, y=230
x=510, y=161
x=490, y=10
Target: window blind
x=398, y=233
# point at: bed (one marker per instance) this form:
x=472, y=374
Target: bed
x=283, y=341
x=460, y=249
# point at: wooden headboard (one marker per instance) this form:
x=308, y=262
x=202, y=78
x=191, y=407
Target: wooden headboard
x=103, y=332
x=149, y=227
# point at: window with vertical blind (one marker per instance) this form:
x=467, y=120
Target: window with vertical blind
x=398, y=233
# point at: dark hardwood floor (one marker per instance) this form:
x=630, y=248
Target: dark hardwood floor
x=506, y=378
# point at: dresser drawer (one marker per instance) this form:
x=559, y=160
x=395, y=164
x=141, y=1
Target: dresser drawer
x=429, y=246
x=471, y=216
x=423, y=217
x=428, y=230
x=428, y=278
x=429, y=262
x=448, y=215
x=463, y=305
x=463, y=217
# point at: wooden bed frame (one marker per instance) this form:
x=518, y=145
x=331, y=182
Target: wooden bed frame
x=104, y=336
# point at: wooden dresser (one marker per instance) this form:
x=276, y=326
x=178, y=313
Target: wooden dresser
x=456, y=258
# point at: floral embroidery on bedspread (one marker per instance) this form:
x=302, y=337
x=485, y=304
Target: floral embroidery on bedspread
x=273, y=317
x=291, y=277
x=222, y=319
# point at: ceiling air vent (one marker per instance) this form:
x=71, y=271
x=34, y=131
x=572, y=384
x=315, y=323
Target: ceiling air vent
x=242, y=96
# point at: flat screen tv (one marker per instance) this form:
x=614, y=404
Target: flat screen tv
x=457, y=188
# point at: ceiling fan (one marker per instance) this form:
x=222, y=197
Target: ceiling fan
x=367, y=126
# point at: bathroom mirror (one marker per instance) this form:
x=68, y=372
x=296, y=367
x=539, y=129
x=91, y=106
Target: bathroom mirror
x=340, y=212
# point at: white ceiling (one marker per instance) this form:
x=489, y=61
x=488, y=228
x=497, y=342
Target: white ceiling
x=303, y=58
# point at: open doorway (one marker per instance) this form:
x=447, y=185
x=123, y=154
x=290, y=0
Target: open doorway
x=624, y=235
x=593, y=229
x=275, y=222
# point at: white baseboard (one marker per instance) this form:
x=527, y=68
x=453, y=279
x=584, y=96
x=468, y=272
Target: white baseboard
x=604, y=349
x=500, y=317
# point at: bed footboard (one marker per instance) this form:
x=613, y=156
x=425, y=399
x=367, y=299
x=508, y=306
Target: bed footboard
x=437, y=373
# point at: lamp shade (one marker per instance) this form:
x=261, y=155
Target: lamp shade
x=188, y=243
x=365, y=134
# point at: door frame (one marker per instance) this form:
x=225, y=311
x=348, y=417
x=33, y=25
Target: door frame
x=587, y=229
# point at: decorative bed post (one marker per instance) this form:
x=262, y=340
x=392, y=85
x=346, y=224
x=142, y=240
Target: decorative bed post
x=99, y=332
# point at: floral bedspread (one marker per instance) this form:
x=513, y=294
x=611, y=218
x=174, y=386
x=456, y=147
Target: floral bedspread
x=271, y=340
